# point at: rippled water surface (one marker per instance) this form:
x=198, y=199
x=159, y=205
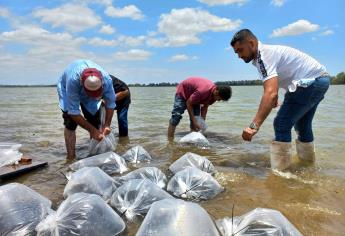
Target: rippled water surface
x=312, y=198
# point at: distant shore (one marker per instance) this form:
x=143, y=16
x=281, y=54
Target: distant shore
x=336, y=80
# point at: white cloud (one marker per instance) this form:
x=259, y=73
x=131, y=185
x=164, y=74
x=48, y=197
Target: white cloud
x=222, y=2
x=129, y=11
x=296, y=28
x=4, y=12
x=158, y=42
x=34, y=35
x=182, y=57
x=182, y=26
x=100, y=2
x=44, y=55
x=131, y=41
x=122, y=41
x=107, y=29
x=96, y=41
x=327, y=32
x=73, y=17
x=133, y=55
x=278, y=3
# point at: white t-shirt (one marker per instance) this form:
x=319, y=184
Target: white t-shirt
x=287, y=63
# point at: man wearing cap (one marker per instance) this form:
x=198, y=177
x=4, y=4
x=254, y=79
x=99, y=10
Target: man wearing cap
x=83, y=84
x=195, y=94
x=306, y=82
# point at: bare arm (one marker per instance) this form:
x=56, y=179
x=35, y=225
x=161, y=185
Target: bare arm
x=204, y=110
x=195, y=125
x=108, y=117
x=269, y=100
x=121, y=95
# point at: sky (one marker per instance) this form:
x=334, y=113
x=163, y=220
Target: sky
x=153, y=41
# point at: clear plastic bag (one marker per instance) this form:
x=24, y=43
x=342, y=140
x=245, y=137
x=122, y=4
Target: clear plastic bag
x=172, y=217
x=201, y=123
x=107, y=144
x=153, y=174
x=109, y=162
x=137, y=154
x=82, y=214
x=195, y=138
x=9, y=154
x=192, y=159
x=260, y=221
x=21, y=209
x=90, y=180
x=192, y=183
x=135, y=197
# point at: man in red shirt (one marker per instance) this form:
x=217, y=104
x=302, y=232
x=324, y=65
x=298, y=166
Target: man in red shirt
x=191, y=94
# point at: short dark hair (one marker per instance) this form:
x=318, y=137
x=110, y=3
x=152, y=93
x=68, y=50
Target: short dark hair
x=224, y=92
x=242, y=35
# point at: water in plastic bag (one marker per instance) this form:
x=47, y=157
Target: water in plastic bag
x=137, y=154
x=172, y=217
x=107, y=144
x=82, y=214
x=153, y=174
x=192, y=183
x=135, y=197
x=109, y=162
x=195, y=160
x=195, y=138
x=260, y=221
x=21, y=209
x=90, y=180
x=9, y=154
x=201, y=122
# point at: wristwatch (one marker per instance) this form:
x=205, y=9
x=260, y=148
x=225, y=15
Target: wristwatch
x=253, y=126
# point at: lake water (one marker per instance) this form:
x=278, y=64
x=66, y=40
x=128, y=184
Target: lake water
x=312, y=198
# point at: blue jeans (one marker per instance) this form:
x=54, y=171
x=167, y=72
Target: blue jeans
x=298, y=111
x=180, y=106
x=122, y=121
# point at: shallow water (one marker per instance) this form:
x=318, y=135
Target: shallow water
x=312, y=198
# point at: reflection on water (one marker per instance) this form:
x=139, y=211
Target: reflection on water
x=312, y=198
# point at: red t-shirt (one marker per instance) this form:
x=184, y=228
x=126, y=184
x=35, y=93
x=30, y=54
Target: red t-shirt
x=197, y=90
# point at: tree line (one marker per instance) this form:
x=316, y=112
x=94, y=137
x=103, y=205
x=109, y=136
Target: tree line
x=335, y=80
x=339, y=78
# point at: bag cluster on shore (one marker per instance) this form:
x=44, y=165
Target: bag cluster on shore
x=97, y=203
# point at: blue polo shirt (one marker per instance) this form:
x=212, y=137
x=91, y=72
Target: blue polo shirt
x=71, y=92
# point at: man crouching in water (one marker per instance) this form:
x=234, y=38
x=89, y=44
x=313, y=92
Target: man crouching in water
x=191, y=94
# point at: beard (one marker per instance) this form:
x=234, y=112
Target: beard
x=249, y=58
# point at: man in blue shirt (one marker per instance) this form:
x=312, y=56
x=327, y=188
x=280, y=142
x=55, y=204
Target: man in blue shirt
x=84, y=84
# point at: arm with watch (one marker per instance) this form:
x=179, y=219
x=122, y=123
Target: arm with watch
x=269, y=100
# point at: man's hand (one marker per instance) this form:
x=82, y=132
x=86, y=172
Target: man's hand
x=248, y=133
x=106, y=130
x=276, y=104
x=95, y=134
x=196, y=126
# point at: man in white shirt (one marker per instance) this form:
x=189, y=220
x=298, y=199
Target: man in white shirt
x=306, y=82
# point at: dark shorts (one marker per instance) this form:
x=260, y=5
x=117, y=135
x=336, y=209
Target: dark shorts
x=94, y=120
